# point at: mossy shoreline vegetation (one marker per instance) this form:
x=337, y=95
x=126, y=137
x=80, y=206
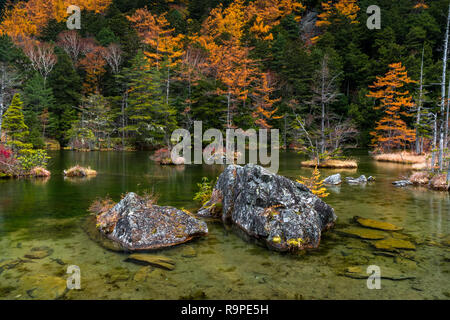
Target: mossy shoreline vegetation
x=331, y=164
x=403, y=157
x=434, y=181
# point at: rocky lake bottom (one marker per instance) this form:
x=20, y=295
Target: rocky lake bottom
x=43, y=231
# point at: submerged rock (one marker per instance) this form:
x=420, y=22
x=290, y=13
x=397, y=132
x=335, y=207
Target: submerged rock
x=10, y=264
x=138, y=225
x=392, y=244
x=281, y=212
x=188, y=252
x=142, y=274
x=333, y=180
x=39, y=253
x=43, y=287
x=374, y=224
x=362, y=179
x=358, y=272
x=153, y=260
x=363, y=233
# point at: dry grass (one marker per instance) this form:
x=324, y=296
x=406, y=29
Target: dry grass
x=332, y=164
x=101, y=205
x=439, y=182
x=402, y=157
x=150, y=198
x=420, y=178
x=78, y=171
x=40, y=172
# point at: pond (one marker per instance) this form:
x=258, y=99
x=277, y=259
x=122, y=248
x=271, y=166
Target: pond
x=50, y=215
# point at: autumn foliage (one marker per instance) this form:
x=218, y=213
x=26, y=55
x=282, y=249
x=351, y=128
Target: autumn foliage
x=337, y=10
x=392, y=131
x=28, y=18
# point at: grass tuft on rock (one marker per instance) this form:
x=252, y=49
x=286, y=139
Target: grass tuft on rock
x=40, y=172
x=79, y=171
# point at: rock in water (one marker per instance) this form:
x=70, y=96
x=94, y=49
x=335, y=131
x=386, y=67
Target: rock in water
x=374, y=224
x=361, y=180
x=283, y=213
x=138, y=225
x=156, y=261
x=363, y=233
x=333, y=180
x=402, y=183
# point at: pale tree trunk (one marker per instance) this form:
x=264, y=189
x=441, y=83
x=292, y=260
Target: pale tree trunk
x=433, y=156
x=2, y=95
x=322, y=128
x=124, y=105
x=228, y=110
x=447, y=117
x=168, y=85
x=419, y=106
x=443, y=84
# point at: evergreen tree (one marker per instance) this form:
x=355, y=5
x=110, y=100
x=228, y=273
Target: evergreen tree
x=66, y=85
x=150, y=118
x=14, y=124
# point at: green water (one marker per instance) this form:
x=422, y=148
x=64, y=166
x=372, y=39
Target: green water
x=51, y=213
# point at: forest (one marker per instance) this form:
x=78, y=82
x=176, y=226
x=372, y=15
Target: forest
x=136, y=71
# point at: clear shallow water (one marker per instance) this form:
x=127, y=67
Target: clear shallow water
x=51, y=213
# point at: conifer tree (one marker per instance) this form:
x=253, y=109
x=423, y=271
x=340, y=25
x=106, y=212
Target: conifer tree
x=14, y=123
x=392, y=131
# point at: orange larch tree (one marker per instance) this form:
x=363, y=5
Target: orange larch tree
x=94, y=65
x=337, y=10
x=162, y=45
x=25, y=19
x=392, y=132
x=264, y=110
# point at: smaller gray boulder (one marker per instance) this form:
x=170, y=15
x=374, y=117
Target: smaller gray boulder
x=333, y=180
x=402, y=183
x=362, y=179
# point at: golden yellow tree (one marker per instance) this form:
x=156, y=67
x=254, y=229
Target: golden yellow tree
x=264, y=110
x=337, y=11
x=315, y=184
x=26, y=19
x=392, y=132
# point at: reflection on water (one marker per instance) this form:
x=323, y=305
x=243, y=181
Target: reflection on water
x=50, y=213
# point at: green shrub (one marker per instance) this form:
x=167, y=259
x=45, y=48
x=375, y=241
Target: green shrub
x=205, y=191
x=30, y=159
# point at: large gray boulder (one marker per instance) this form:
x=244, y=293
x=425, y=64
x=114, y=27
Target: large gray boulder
x=136, y=224
x=281, y=212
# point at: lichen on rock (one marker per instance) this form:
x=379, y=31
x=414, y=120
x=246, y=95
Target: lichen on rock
x=282, y=213
x=136, y=224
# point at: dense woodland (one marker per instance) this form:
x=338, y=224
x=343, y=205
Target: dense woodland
x=137, y=70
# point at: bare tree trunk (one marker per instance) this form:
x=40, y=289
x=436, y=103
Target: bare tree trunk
x=433, y=156
x=124, y=105
x=228, y=110
x=447, y=117
x=419, y=106
x=168, y=85
x=2, y=95
x=322, y=128
x=285, y=131
x=444, y=70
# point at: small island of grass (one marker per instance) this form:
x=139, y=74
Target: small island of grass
x=331, y=164
x=78, y=171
